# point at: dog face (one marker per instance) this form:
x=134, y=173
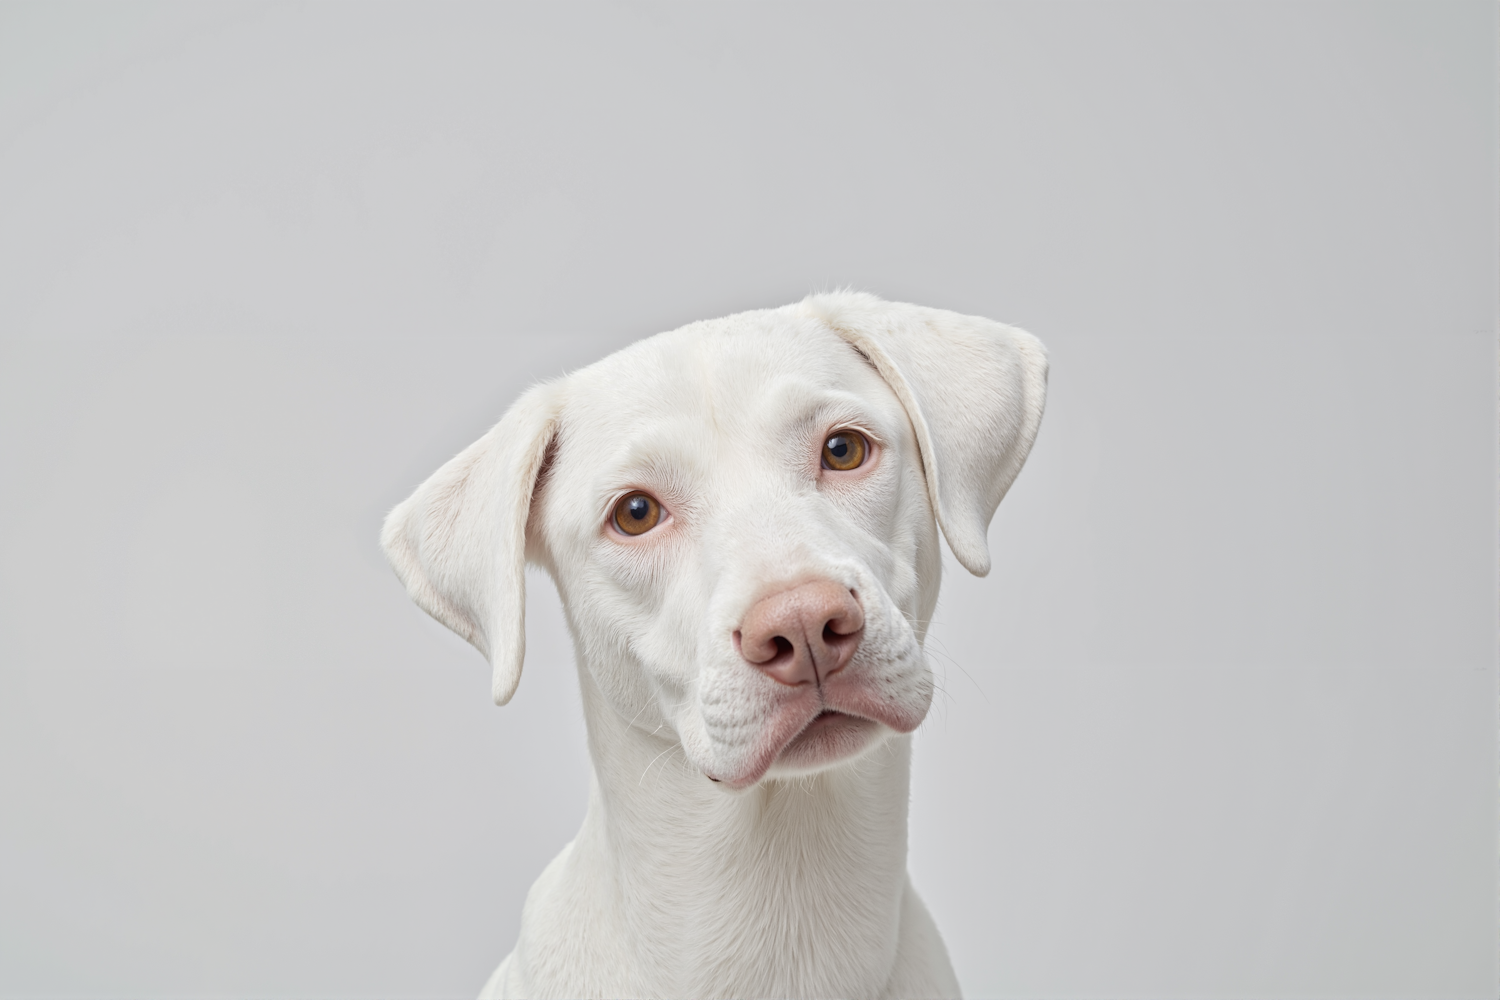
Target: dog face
x=741, y=518
x=717, y=433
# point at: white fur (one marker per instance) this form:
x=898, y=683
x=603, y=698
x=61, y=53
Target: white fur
x=780, y=878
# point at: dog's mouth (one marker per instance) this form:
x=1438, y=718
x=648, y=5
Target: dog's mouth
x=827, y=717
x=830, y=736
x=813, y=729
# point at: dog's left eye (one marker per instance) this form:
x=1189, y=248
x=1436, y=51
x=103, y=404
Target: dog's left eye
x=844, y=450
x=637, y=513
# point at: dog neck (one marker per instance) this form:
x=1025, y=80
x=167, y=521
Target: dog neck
x=807, y=872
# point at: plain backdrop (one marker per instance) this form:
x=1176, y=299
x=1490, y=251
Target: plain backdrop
x=1221, y=722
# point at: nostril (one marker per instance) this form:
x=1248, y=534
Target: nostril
x=842, y=627
x=765, y=651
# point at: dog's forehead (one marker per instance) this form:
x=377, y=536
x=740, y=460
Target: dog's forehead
x=717, y=376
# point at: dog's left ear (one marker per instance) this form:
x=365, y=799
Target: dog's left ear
x=974, y=391
x=459, y=541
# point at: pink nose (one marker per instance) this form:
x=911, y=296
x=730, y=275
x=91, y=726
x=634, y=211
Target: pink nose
x=802, y=635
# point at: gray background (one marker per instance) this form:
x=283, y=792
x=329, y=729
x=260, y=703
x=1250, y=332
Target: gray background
x=1220, y=723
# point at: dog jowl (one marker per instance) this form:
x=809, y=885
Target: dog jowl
x=741, y=518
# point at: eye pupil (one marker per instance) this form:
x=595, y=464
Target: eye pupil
x=839, y=446
x=638, y=508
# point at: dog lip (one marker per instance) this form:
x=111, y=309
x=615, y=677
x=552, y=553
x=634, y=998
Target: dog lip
x=829, y=736
x=825, y=716
x=828, y=715
x=836, y=713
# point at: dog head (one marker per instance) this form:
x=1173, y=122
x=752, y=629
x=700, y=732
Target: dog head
x=741, y=518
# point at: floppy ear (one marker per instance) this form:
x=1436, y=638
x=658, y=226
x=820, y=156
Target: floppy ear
x=974, y=391
x=459, y=541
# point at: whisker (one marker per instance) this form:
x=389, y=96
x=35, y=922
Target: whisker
x=654, y=760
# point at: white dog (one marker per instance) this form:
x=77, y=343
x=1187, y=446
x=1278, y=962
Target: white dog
x=741, y=518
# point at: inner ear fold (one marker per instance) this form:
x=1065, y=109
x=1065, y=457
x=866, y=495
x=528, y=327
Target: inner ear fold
x=974, y=391
x=459, y=542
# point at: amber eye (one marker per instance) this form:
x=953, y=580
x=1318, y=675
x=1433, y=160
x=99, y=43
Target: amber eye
x=637, y=513
x=844, y=450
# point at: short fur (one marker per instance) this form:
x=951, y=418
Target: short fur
x=710, y=863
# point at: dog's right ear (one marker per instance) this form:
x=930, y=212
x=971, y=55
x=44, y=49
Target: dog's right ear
x=459, y=542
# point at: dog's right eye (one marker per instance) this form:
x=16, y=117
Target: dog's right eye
x=637, y=513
